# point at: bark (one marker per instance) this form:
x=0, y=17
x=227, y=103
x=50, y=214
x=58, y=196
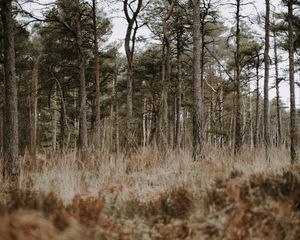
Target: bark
x=64, y=127
x=250, y=117
x=238, y=99
x=53, y=120
x=33, y=106
x=221, y=123
x=202, y=62
x=198, y=133
x=256, y=124
x=277, y=82
x=129, y=50
x=97, y=81
x=1, y=133
x=293, y=128
x=178, y=93
x=266, y=81
x=153, y=137
x=163, y=120
x=82, y=141
x=144, y=122
x=167, y=76
x=11, y=167
x=115, y=120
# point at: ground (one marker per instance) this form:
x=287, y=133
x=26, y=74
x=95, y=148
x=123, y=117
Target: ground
x=151, y=195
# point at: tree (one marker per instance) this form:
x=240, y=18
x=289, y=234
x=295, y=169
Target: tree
x=11, y=169
x=83, y=141
x=36, y=57
x=266, y=81
x=291, y=41
x=71, y=19
x=238, y=114
x=129, y=50
x=97, y=79
x=198, y=133
x=167, y=75
x=257, y=99
x=277, y=85
x=180, y=41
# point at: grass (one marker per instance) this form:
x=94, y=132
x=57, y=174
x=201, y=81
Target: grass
x=154, y=196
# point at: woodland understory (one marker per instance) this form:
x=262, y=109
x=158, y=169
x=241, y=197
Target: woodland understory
x=154, y=196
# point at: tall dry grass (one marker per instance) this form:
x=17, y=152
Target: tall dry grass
x=154, y=195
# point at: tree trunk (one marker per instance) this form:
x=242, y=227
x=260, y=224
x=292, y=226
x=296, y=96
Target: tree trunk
x=83, y=141
x=221, y=123
x=277, y=82
x=115, y=120
x=33, y=106
x=129, y=50
x=291, y=39
x=250, y=117
x=266, y=81
x=238, y=114
x=167, y=76
x=178, y=93
x=1, y=132
x=198, y=125
x=53, y=120
x=64, y=129
x=129, y=134
x=97, y=80
x=256, y=124
x=11, y=167
x=164, y=101
x=144, y=120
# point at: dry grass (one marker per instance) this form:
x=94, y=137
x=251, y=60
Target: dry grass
x=154, y=196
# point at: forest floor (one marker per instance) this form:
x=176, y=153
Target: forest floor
x=154, y=196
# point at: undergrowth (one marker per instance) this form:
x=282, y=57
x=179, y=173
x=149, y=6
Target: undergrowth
x=153, y=197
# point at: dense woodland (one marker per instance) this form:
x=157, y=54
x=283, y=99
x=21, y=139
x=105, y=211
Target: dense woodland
x=201, y=78
x=180, y=129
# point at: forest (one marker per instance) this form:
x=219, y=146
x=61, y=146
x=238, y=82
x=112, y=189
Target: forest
x=184, y=126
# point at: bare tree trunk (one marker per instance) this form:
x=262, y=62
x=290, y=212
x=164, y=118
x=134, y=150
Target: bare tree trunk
x=1, y=132
x=266, y=81
x=115, y=120
x=144, y=140
x=277, y=82
x=178, y=93
x=64, y=127
x=129, y=133
x=53, y=120
x=153, y=137
x=164, y=99
x=129, y=50
x=11, y=167
x=33, y=105
x=198, y=133
x=97, y=80
x=291, y=40
x=221, y=123
x=250, y=117
x=238, y=114
x=256, y=125
x=83, y=141
x=167, y=79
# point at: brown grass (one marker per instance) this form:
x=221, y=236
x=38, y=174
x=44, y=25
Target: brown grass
x=154, y=196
